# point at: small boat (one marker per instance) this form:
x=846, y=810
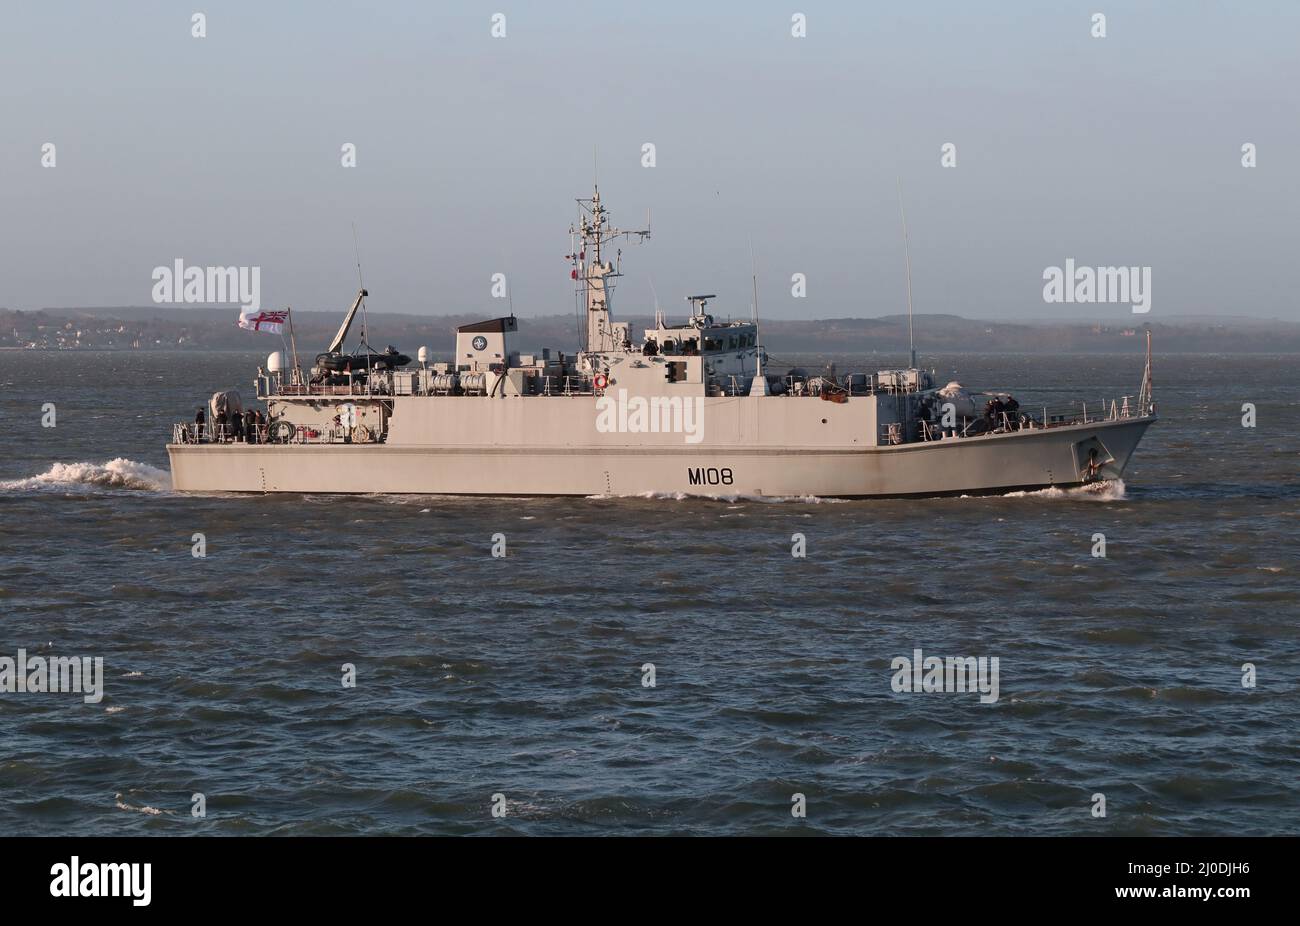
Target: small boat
x=337, y=362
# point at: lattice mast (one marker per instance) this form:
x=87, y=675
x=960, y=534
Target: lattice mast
x=593, y=273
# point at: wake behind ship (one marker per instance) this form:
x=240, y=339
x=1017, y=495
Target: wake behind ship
x=683, y=409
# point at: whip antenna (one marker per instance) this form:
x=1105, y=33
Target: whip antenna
x=365, y=320
x=907, y=256
x=757, y=386
x=357, y=249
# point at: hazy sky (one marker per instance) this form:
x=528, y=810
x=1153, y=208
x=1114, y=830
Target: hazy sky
x=225, y=150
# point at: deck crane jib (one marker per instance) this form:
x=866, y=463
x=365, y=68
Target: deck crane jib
x=333, y=364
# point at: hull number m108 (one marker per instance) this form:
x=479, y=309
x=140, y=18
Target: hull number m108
x=712, y=476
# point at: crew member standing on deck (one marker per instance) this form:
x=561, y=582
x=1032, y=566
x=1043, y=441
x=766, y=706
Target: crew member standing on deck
x=1013, y=412
x=198, y=426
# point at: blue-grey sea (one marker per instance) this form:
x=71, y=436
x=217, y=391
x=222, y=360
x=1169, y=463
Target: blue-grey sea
x=522, y=676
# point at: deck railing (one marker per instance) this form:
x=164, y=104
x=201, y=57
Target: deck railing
x=1031, y=418
x=189, y=433
x=567, y=386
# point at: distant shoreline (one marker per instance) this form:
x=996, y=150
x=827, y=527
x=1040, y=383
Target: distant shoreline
x=161, y=328
x=803, y=352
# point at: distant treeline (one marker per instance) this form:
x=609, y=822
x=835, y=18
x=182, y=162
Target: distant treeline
x=153, y=328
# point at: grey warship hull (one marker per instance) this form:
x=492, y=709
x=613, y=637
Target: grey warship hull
x=685, y=409
x=1000, y=462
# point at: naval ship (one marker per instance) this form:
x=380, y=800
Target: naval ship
x=682, y=409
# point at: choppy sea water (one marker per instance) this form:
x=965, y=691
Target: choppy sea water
x=522, y=676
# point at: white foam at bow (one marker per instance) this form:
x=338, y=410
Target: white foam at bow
x=119, y=473
x=1111, y=490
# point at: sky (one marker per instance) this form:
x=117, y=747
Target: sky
x=226, y=150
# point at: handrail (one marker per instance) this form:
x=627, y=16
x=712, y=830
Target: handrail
x=1116, y=409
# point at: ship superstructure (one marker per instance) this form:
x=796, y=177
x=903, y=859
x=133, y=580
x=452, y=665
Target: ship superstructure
x=687, y=408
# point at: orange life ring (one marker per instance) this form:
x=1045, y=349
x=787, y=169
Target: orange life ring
x=601, y=381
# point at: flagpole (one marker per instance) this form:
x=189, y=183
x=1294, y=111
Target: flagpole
x=293, y=342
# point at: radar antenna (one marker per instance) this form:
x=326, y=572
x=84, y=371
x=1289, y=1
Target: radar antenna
x=698, y=305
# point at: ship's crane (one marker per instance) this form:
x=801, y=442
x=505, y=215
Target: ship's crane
x=337, y=344
x=361, y=362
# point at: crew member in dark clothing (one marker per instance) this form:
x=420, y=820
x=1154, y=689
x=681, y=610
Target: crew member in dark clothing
x=198, y=426
x=236, y=426
x=1012, y=408
x=250, y=426
x=923, y=418
x=999, y=408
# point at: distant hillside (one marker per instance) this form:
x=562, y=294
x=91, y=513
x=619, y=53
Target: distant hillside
x=157, y=328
